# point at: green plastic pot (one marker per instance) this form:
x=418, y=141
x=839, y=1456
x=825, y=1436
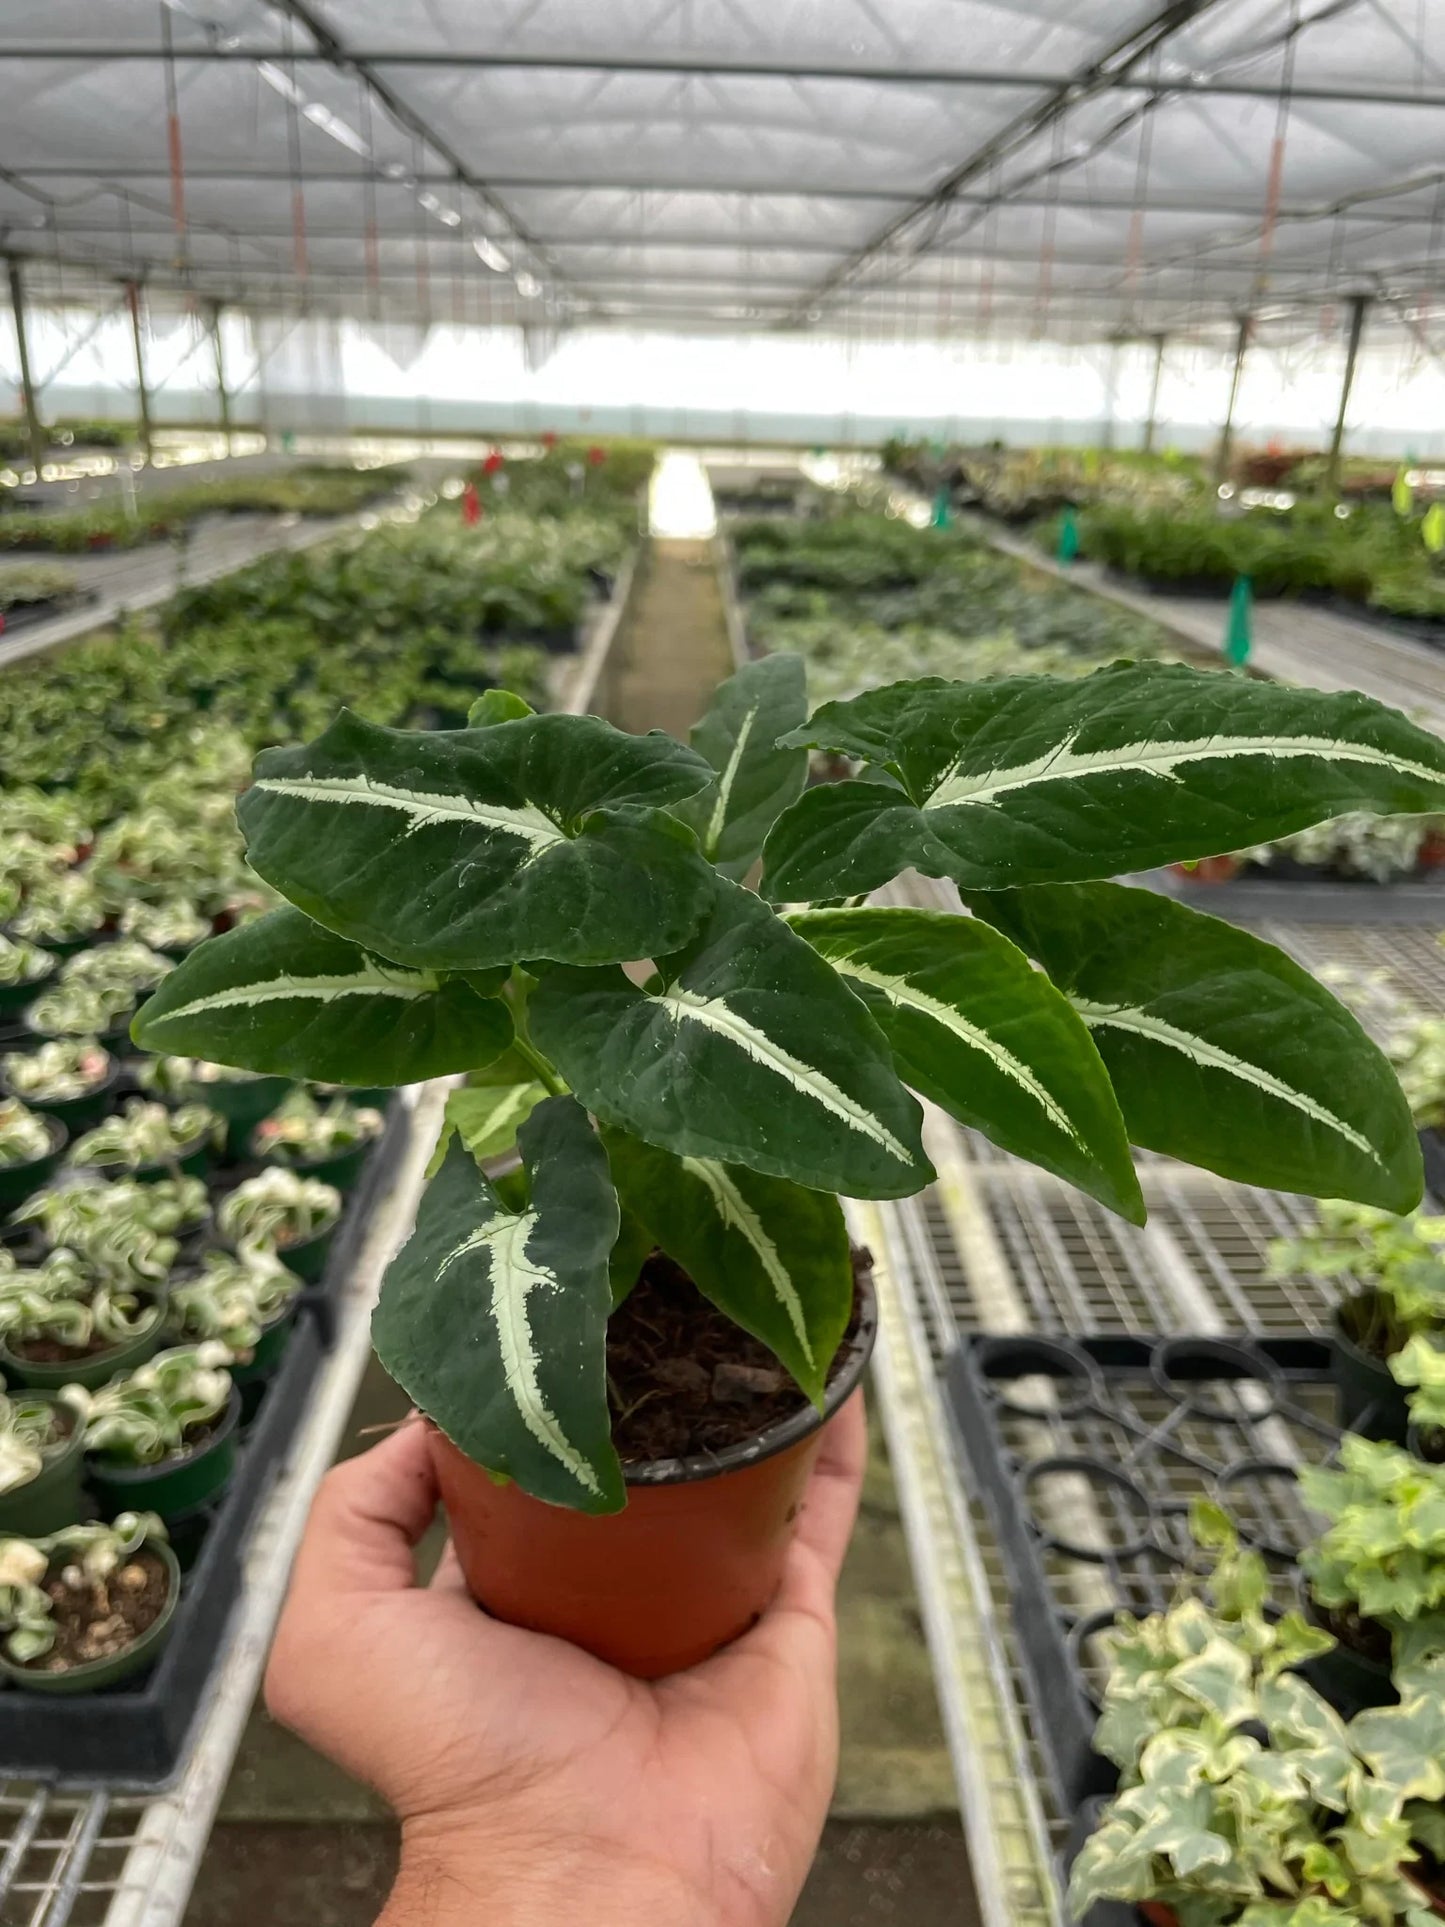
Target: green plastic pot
x=175, y=1485
x=192, y=1163
x=15, y=997
x=308, y=1258
x=99, y=1673
x=342, y=1169
x=244, y=1103
x=1370, y=1401
x=80, y=1114
x=53, y=1497
x=18, y=1181
x=98, y=1368
x=270, y=1349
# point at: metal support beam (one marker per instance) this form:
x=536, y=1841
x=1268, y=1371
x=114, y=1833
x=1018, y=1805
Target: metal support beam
x=1151, y=421
x=1359, y=307
x=143, y=399
x=1226, y=433
x=223, y=398
x=34, y=433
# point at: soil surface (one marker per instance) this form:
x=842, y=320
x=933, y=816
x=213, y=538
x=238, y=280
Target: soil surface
x=684, y=1379
x=99, y=1620
x=1365, y=1637
x=50, y=1351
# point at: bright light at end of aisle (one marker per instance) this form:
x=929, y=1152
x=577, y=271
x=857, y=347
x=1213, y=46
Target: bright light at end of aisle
x=680, y=501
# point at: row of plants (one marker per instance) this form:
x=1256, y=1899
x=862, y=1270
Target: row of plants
x=1022, y=485
x=306, y=489
x=66, y=433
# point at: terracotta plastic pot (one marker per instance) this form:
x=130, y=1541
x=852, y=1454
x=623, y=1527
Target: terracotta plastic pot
x=690, y=1563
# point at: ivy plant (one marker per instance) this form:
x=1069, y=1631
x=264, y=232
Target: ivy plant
x=1382, y=1552
x=464, y=900
x=1400, y=1261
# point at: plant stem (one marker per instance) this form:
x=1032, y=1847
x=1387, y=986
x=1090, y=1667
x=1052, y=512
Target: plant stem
x=545, y=1073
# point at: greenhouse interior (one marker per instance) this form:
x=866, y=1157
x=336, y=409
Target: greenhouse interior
x=722, y=1008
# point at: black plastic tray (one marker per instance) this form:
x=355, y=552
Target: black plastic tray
x=1306, y=900
x=322, y=1298
x=1088, y=1453
x=1432, y=1148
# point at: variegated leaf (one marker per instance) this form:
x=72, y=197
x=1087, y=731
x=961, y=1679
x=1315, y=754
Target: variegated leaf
x=1038, y=779
x=486, y=1119
x=773, y=1257
x=976, y=1028
x=755, y=780
x=748, y=1049
x=544, y=836
x=1223, y=1052
x=494, y=1321
x=284, y=996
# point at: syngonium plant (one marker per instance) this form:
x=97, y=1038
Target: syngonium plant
x=464, y=900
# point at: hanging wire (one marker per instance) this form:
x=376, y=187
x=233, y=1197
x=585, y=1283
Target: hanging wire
x=298, y=183
x=173, y=144
x=1135, y=256
x=370, y=245
x=1051, y=221
x=1275, y=179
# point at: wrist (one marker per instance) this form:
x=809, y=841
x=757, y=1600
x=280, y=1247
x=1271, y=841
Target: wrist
x=455, y=1875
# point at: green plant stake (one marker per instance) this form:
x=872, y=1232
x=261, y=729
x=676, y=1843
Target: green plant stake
x=1402, y=496
x=1068, y=547
x=940, y=517
x=1238, y=637
x=1432, y=528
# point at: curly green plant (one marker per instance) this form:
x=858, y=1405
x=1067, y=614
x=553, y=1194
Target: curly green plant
x=64, y=1068
x=1399, y=1263
x=127, y=964
x=63, y=1302
x=30, y=1428
x=125, y=1231
x=276, y=1209
x=146, y=1134
x=59, y=909
x=23, y=963
x=152, y=1413
x=302, y=1130
x=79, y=1009
x=36, y=1573
x=172, y=924
x=1243, y=1796
x=1382, y=1553
x=234, y=1298
x=1359, y=845
x=24, y=1137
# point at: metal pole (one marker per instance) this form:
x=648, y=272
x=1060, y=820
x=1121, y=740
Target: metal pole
x=222, y=396
x=33, y=429
x=1226, y=434
x=1359, y=304
x=1151, y=424
x=132, y=299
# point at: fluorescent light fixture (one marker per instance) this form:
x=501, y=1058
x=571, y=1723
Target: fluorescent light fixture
x=336, y=127
x=449, y=217
x=490, y=254
x=280, y=82
x=429, y=201
x=528, y=286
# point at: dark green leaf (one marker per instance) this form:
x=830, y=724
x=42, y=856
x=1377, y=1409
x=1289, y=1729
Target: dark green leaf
x=754, y=1052
x=497, y=706
x=1223, y=1052
x=283, y=995
x=755, y=780
x=1039, y=779
x=978, y=1030
x=634, y=1244
x=773, y=1257
x=495, y=1321
x=544, y=837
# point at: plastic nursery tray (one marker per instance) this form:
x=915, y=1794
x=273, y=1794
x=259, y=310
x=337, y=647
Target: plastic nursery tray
x=1306, y=900
x=135, y=1734
x=1432, y=1146
x=1088, y=1453
x=378, y=1171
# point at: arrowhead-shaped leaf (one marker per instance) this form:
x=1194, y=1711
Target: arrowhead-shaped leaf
x=750, y=1049
x=773, y=1257
x=755, y=780
x=495, y=1321
x=283, y=995
x=1223, y=1052
x=976, y=1028
x=546, y=836
x=1038, y=779
x=486, y=1119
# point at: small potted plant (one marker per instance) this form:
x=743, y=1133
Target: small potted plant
x=41, y=1462
x=243, y=1098
x=148, y=1142
x=62, y=1325
x=164, y=1435
x=86, y=1607
x=31, y=1148
x=124, y=965
x=699, y=1117
x=24, y=967
x=1243, y=1796
x=245, y=1301
x=1375, y=1578
x=282, y=1212
x=1420, y=1367
x=174, y=926
x=1399, y=1265
x=81, y=1009
x=64, y=914
x=72, y=1079
x=329, y=1142
x=123, y=1230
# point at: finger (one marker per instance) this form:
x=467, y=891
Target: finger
x=448, y=1575
x=830, y=1504
x=367, y=1515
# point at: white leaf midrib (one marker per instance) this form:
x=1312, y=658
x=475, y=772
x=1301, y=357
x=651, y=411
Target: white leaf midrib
x=424, y=807
x=718, y=821
x=735, y=1211
x=324, y=990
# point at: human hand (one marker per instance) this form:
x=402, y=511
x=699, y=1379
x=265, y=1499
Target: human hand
x=535, y=1784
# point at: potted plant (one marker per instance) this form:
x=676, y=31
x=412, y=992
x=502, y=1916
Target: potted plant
x=697, y=1118
x=86, y=1607
x=283, y=1213
x=328, y=1142
x=41, y=1462
x=148, y=1142
x=172, y=926
x=1375, y=1577
x=164, y=1435
x=1420, y=1367
x=31, y=1148
x=71, y=1078
x=63, y=914
x=246, y=1302
x=61, y=1325
x=243, y=1098
x=80, y=1009
x=23, y=968
x=1400, y=1266
x=123, y=1230
x=1243, y=1796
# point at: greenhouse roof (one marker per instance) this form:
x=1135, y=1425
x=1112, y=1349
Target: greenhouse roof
x=878, y=166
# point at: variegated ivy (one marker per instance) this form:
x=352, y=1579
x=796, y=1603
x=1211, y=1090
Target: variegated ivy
x=465, y=899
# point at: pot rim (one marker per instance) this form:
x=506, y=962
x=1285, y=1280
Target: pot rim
x=784, y=1432
x=144, y=1474
x=157, y=1294
x=163, y=1165
x=46, y=1104
x=59, y=1138
x=23, y=1676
